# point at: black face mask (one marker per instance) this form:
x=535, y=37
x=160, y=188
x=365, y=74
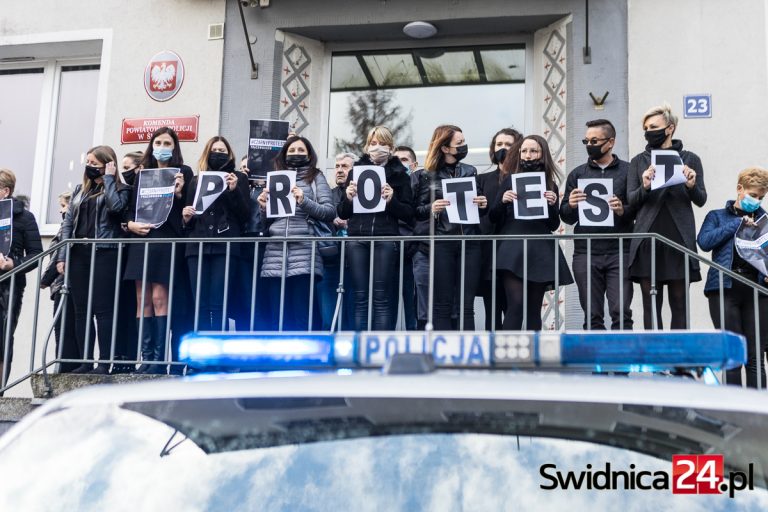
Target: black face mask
x=461, y=152
x=499, y=156
x=217, y=160
x=531, y=165
x=297, y=161
x=92, y=173
x=595, y=152
x=129, y=176
x=656, y=138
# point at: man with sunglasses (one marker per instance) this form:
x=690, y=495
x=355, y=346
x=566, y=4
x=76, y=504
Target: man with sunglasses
x=604, y=277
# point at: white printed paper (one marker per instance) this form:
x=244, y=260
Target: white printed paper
x=594, y=211
x=460, y=192
x=669, y=168
x=281, y=201
x=210, y=185
x=369, y=179
x=531, y=203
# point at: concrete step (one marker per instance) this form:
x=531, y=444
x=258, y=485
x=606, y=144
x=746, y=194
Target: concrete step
x=63, y=382
x=13, y=409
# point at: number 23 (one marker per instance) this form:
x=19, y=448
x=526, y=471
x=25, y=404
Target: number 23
x=698, y=106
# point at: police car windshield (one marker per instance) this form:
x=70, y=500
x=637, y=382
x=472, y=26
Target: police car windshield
x=105, y=457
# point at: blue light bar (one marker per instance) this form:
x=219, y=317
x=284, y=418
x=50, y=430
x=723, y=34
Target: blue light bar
x=592, y=350
x=625, y=350
x=257, y=351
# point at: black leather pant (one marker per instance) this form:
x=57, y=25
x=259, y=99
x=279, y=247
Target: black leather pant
x=385, y=257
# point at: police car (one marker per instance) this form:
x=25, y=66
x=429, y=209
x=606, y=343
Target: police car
x=406, y=421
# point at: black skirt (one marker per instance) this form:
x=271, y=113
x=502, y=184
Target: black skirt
x=540, y=262
x=670, y=263
x=158, y=257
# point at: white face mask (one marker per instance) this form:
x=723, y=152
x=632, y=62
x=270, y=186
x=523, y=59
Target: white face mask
x=379, y=154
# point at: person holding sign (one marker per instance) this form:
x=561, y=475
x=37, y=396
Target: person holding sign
x=96, y=211
x=294, y=260
x=588, y=204
x=216, y=207
x=518, y=210
x=162, y=152
x=488, y=185
x=24, y=245
x=381, y=205
x=450, y=204
x=668, y=212
x=717, y=234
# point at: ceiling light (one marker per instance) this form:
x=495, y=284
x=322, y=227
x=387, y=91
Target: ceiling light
x=420, y=30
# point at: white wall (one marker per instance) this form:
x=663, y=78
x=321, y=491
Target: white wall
x=690, y=47
x=131, y=32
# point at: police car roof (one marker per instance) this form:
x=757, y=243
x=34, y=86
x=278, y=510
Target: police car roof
x=469, y=384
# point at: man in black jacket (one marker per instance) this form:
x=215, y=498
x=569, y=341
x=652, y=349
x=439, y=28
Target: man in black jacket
x=604, y=277
x=25, y=245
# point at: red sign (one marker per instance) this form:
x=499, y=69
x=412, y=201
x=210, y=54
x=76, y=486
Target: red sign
x=697, y=474
x=140, y=130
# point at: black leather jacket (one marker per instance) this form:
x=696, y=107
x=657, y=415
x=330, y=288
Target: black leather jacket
x=422, y=193
x=110, y=207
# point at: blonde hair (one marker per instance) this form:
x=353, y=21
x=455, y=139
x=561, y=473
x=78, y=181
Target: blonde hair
x=754, y=177
x=383, y=135
x=7, y=179
x=664, y=110
x=202, y=164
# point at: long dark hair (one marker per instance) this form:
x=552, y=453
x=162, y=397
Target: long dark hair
x=312, y=168
x=511, y=164
x=516, y=135
x=149, y=161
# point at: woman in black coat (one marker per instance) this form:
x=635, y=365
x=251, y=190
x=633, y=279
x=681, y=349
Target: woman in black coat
x=668, y=212
x=223, y=218
x=529, y=156
x=163, y=151
x=488, y=185
x=397, y=193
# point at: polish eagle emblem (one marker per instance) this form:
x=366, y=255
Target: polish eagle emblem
x=163, y=76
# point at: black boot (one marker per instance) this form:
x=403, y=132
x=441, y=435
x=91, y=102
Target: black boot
x=83, y=368
x=147, y=343
x=161, y=325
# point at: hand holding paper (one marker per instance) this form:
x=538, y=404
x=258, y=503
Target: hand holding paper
x=669, y=168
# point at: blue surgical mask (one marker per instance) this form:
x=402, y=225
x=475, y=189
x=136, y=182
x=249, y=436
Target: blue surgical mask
x=162, y=154
x=749, y=204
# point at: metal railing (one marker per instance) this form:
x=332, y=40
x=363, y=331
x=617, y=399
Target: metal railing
x=178, y=245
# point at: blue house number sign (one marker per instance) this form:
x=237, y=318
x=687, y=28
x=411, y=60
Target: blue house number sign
x=697, y=105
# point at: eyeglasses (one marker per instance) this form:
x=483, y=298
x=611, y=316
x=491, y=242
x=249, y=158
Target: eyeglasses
x=593, y=141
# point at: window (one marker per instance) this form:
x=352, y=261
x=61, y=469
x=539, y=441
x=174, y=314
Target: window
x=19, y=113
x=480, y=89
x=75, y=112
x=47, y=117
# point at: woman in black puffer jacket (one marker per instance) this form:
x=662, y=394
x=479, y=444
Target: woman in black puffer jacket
x=379, y=148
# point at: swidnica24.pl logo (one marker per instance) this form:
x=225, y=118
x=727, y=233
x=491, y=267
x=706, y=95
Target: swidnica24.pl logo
x=690, y=474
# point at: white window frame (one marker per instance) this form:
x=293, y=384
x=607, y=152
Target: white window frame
x=47, y=121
